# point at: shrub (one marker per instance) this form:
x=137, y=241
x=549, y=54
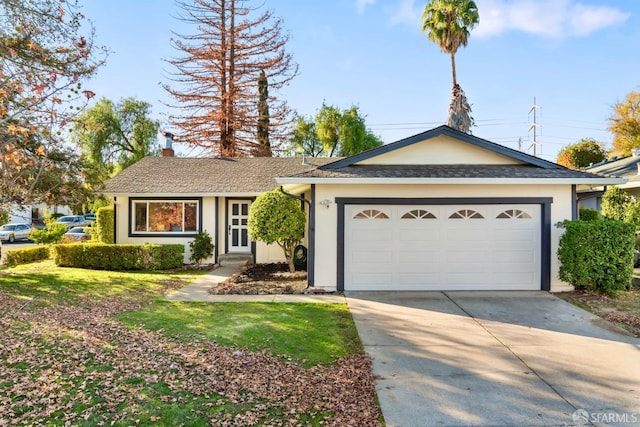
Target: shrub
x=597, y=255
x=105, y=225
x=201, y=247
x=276, y=217
x=27, y=255
x=587, y=214
x=52, y=233
x=100, y=256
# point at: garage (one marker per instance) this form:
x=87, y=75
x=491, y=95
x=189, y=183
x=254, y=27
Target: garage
x=442, y=247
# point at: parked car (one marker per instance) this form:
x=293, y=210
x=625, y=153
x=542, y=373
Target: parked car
x=72, y=221
x=77, y=234
x=89, y=217
x=16, y=231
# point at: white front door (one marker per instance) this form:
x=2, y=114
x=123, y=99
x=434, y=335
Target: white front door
x=238, y=233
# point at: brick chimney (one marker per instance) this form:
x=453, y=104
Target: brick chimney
x=167, y=151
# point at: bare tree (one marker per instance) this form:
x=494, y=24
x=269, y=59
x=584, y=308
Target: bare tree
x=216, y=78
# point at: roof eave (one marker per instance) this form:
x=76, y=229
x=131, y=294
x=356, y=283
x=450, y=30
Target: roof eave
x=183, y=195
x=465, y=181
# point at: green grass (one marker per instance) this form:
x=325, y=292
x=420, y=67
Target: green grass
x=305, y=332
x=44, y=281
x=56, y=365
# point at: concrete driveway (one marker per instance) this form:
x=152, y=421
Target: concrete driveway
x=496, y=359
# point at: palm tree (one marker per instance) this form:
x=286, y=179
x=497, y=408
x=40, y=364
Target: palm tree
x=448, y=24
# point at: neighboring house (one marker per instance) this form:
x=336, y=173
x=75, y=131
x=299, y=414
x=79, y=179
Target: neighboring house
x=34, y=213
x=441, y=210
x=628, y=168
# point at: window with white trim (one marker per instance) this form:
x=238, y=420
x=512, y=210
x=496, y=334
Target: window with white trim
x=165, y=216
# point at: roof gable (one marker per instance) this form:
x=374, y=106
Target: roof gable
x=442, y=146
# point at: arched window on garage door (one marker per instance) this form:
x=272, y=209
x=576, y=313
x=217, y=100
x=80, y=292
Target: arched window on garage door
x=371, y=214
x=514, y=214
x=466, y=214
x=418, y=214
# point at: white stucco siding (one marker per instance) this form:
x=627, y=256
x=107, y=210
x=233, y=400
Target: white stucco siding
x=441, y=150
x=327, y=218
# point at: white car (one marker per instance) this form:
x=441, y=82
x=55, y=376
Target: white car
x=13, y=232
x=72, y=221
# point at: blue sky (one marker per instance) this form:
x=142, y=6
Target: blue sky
x=578, y=58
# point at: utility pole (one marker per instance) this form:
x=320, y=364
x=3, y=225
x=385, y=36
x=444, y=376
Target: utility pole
x=534, y=126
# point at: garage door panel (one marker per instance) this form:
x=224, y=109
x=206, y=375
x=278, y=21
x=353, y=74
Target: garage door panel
x=423, y=257
x=466, y=278
x=421, y=247
x=371, y=279
x=509, y=257
x=372, y=257
x=515, y=235
x=419, y=280
x=512, y=279
x=466, y=233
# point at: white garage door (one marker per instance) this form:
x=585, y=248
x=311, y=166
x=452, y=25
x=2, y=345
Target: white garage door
x=436, y=247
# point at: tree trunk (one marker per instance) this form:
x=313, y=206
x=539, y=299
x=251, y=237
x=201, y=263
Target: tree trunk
x=453, y=69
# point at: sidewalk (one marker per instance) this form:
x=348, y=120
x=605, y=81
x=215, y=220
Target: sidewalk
x=198, y=291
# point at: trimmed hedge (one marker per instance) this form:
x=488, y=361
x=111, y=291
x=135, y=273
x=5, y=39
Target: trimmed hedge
x=587, y=214
x=597, y=255
x=27, y=255
x=100, y=256
x=104, y=226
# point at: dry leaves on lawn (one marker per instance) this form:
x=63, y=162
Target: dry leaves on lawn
x=54, y=359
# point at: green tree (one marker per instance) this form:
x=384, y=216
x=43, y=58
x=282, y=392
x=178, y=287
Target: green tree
x=114, y=136
x=448, y=23
x=46, y=51
x=334, y=132
x=624, y=124
x=4, y=216
x=275, y=217
x=619, y=205
x=304, y=139
x=582, y=154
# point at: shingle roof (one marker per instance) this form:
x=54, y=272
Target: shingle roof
x=626, y=168
x=445, y=171
x=180, y=175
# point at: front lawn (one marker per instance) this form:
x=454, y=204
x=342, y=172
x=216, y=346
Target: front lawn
x=290, y=331
x=83, y=347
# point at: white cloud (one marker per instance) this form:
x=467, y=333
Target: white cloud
x=406, y=13
x=362, y=4
x=548, y=18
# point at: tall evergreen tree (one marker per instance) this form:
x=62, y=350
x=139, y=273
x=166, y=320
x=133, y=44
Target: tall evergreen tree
x=216, y=77
x=264, y=146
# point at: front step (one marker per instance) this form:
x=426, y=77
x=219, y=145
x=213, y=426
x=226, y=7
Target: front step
x=233, y=260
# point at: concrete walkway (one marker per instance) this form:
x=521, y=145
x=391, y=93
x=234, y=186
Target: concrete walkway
x=198, y=291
